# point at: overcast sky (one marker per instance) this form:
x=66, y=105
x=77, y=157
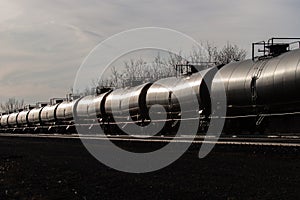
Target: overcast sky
x=43, y=43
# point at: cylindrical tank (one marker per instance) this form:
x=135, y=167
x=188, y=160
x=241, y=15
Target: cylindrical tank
x=97, y=106
x=122, y=103
x=48, y=113
x=161, y=93
x=192, y=92
x=280, y=79
x=82, y=107
x=22, y=118
x=263, y=82
x=64, y=111
x=12, y=119
x=34, y=116
x=4, y=119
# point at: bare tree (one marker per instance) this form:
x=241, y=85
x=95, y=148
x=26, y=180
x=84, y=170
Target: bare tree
x=199, y=54
x=228, y=54
x=212, y=52
x=12, y=104
x=174, y=59
x=88, y=91
x=137, y=71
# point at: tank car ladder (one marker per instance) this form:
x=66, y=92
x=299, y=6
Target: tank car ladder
x=256, y=75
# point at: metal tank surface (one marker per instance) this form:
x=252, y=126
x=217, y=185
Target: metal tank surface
x=196, y=87
x=48, y=113
x=236, y=82
x=22, y=118
x=12, y=119
x=161, y=93
x=267, y=81
x=185, y=97
x=4, y=119
x=64, y=111
x=280, y=79
x=96, y=108
x=34, y=115
x=82, y=107
x=124, y=103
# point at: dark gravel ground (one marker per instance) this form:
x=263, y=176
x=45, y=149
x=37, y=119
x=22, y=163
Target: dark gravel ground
x=39, y=168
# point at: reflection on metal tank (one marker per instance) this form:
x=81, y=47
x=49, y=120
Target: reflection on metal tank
x=64, y=110
x=34, y=116
x=161, y=93
x=12, y=119
x=266, y=81
x=48, y=113
x=90, y=107
x=167, y=92
x=193, y=93
x=82, y=107
x=22, y=118
x=4, y=119
x=122, y=103
x=96, y=108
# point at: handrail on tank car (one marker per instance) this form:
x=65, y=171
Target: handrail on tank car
x=191, y=67
x=273, y=48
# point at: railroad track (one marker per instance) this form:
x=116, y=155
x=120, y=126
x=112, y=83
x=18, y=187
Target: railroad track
x=292, y=141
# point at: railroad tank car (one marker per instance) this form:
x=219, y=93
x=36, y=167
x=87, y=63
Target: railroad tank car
x=126, y=108
x=48, y=114
x=90, y=108
x=22, y=118
x=34, y=118
x=191, y=91
x=123, y=103
x=89, y=113
x=12, y=120
x=262, y=87
x=82, y=110
x=64, y=122
x=4, y=122
x=97, y=107
x=64, y=112
x=161, y=93
x=264, y=82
